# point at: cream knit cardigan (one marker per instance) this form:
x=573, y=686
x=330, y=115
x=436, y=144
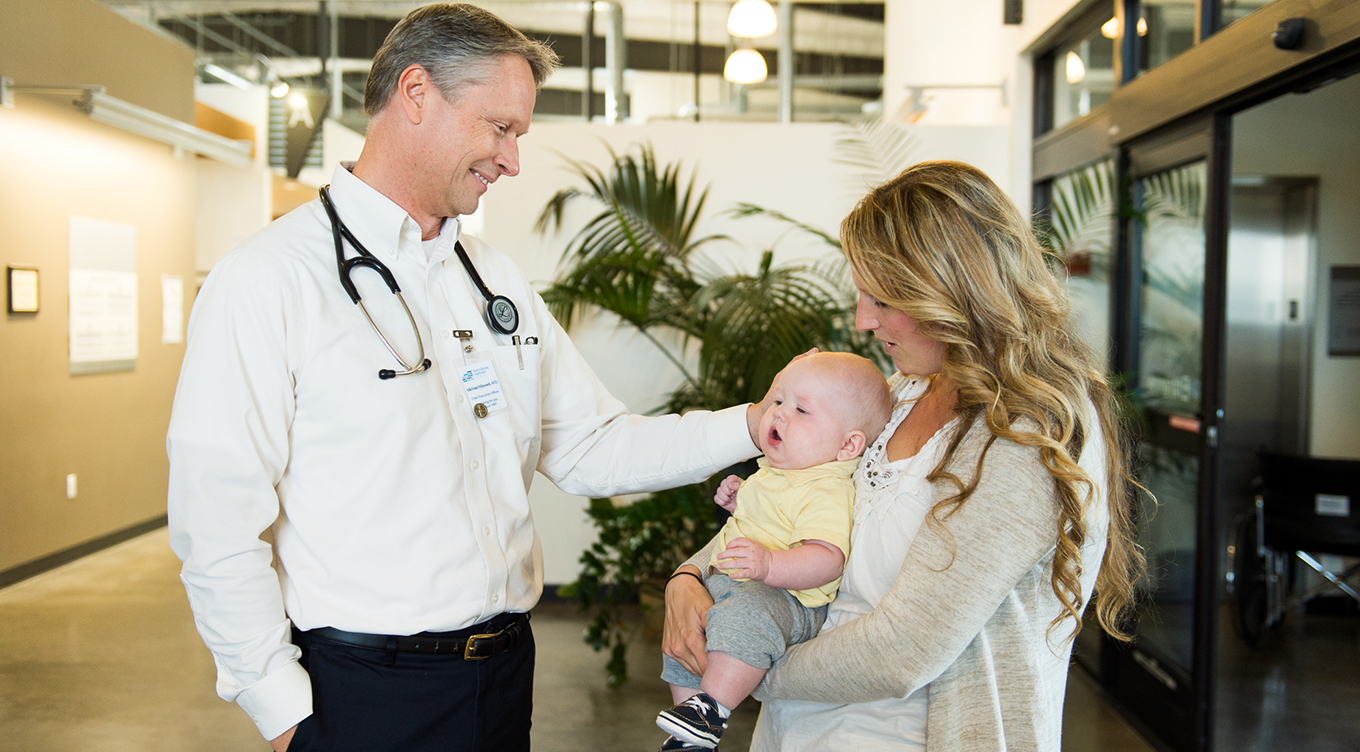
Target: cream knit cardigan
x=968, y=616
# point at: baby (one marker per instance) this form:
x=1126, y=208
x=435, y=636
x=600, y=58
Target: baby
x=782, y=553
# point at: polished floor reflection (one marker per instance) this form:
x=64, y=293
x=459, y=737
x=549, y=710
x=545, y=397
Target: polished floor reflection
x=1299, y=690
x=102, y=655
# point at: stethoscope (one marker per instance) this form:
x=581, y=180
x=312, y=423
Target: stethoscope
x=501, y=314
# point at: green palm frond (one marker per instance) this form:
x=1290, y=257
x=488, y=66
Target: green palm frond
x=1083, y=200
x=878, y=147
x=752, y=210
x=630, y=259
x=1176, y=194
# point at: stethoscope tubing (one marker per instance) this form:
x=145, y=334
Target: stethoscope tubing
x=365, y=259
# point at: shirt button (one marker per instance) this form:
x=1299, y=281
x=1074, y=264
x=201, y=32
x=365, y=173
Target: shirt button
x=495, y=599
x=460, y=399
x=475, y=464
x=486, y=530
x=447, y=334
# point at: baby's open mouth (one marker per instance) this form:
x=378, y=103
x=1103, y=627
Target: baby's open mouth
x=774, y=436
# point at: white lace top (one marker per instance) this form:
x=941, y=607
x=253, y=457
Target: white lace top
x=891, y=502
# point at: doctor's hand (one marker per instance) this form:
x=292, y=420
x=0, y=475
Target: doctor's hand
x=744, y=559
x=755, y=411
x=687, y=603
x=726, y=497
x=281, y=742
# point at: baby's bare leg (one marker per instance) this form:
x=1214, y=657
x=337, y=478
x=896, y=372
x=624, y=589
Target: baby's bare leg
x=679, y=694
x=728, y=680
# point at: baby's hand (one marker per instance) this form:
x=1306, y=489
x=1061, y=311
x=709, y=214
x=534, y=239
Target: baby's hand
x=726, y=497
x=744, y=559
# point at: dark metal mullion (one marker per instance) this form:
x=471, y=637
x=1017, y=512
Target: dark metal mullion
x=1208, y=18
x=1043, y=93
x=1127, y=300
x=1212, y=379
x=1127, y=48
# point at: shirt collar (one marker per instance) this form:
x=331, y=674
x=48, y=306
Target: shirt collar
x=384, y=228
x=832, y=469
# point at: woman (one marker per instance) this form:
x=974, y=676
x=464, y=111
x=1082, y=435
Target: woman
x=993, y=505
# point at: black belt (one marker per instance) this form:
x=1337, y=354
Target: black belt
x=471, y=644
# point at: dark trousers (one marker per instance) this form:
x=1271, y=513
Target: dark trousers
x=368, y=700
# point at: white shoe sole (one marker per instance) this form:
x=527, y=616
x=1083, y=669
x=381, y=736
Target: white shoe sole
x=684, y=732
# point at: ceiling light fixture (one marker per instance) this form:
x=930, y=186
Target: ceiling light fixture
x=1076, y=68
x=226, y=76
x=1110, y=29
x=745, y=67
x=140, y=121
x=751, y=19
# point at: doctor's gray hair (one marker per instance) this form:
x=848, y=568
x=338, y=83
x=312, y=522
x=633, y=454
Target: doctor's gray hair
x=453, y=42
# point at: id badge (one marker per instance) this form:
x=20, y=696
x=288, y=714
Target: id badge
x=483, y=388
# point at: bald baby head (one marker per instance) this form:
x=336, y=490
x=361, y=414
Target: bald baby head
x=825, y=407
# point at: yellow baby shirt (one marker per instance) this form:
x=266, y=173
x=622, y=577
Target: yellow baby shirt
x=780, y=508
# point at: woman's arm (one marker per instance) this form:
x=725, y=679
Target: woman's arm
x=937, y=606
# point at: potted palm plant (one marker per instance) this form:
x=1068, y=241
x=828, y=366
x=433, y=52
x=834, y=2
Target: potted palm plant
x=638, y=259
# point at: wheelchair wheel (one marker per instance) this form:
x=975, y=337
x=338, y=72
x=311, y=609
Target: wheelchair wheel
x=1249, y=582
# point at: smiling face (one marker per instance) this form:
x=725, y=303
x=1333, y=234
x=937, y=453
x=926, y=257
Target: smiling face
x=817, y=404
x=468, y=143
x=912, y=352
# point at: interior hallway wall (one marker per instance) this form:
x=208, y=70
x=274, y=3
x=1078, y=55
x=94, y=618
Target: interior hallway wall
x=1306, y=136
x=109, y=429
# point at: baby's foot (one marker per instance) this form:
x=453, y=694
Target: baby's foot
x=699, y=721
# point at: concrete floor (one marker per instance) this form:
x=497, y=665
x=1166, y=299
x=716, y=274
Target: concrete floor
x=102, y=654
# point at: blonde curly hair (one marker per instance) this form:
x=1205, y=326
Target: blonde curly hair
x=944, y=245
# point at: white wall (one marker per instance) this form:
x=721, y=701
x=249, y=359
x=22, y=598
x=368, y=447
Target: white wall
x=233, y=202
x=951, y=46
x=1305, y=136
x=789, y=168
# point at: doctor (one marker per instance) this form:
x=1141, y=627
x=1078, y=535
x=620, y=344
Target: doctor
x=390, y=610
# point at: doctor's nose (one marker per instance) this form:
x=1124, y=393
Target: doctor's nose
x=508, y=159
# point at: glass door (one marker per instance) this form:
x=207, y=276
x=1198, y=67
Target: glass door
x=1168, y=343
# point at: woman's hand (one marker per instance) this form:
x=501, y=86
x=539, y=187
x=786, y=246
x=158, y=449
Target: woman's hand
x=726, y=497
x=687, y=603
x=744, y=559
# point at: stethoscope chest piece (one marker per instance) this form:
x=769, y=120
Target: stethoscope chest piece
x=501, y=315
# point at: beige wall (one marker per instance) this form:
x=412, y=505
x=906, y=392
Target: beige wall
x=78, y=42
x=109, y=429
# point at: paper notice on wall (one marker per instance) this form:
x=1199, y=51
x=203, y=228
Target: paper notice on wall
x=103, y=320
x=172, y=309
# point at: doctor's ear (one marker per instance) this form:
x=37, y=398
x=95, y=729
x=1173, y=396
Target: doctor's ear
x=414, y=87
x=853, y=446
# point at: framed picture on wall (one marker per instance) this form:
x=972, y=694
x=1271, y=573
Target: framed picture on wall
x=1343, y=314
x=21, y=289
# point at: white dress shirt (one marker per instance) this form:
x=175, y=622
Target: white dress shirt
x=394, y=509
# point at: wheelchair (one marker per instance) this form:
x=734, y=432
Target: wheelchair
x=1305, y=506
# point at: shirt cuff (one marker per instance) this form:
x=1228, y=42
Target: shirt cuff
x=279, y=701
x=728, y=437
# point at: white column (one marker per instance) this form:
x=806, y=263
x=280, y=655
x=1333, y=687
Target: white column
x=337, y=78
x=785, y=61
x=615, y=60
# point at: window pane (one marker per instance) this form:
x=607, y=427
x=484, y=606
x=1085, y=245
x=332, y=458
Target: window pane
x=1081, y=229
x=1235, y=9
x=1083, y=75
x=1166, y=28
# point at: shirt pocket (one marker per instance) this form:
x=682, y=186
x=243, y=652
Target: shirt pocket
x=523, y=392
